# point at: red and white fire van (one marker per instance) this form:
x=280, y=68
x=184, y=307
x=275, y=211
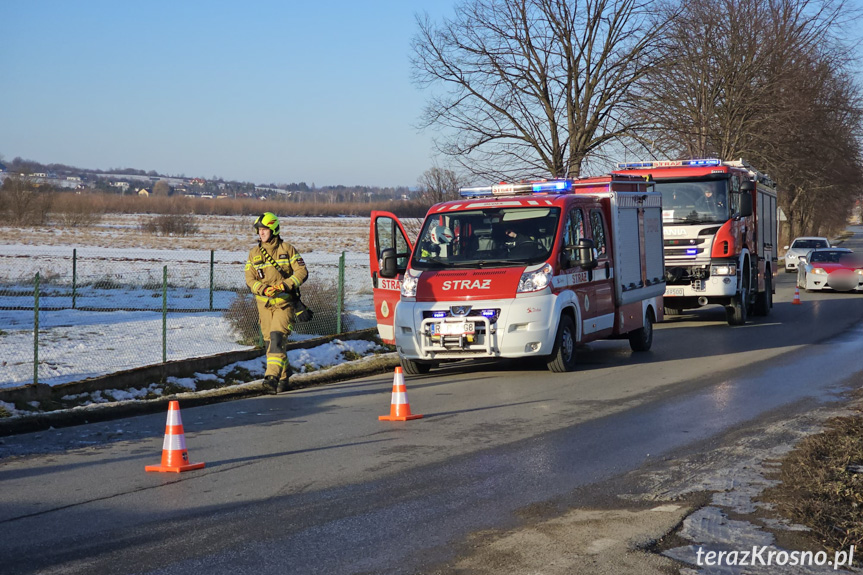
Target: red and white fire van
x=521, y=270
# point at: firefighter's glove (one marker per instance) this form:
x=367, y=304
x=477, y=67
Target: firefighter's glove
x=270, y=291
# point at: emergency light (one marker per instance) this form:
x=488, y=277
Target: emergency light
x=700, y=163
x=504, y=189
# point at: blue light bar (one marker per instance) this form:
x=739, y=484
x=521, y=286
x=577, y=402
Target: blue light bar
x=706, y=162
x=488, y=312
x=552, y=186
x=504, y=189
x=540, y=187
x=634, y=165
x=438, y=314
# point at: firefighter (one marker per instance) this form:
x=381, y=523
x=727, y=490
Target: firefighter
x=274, y=273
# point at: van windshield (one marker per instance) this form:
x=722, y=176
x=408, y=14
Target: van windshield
x=498, y=237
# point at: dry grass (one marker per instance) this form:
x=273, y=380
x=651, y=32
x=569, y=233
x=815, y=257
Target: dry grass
x=818, y=489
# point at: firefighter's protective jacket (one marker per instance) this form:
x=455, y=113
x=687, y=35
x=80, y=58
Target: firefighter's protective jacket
x=261, y=273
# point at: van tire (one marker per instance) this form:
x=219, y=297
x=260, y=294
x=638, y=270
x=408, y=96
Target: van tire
x=642, y=338
x=412, y=367
x=562, y=358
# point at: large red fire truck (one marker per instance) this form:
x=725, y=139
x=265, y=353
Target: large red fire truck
x=521, y=270
x=720, y=225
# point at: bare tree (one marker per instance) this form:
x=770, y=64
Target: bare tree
x=22, y=203
x=161, y=188
x=533, y=88
x=439, y=185
x=724, y=69
x=765, y=80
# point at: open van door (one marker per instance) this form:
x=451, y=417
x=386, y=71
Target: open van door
x=389, y=252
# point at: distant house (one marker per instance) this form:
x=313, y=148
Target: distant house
x=143, y=192
x=122, y=185
x=198, y=181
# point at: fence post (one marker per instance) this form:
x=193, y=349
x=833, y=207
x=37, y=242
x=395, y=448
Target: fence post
x=165, y=314
x=211, y=278
x=36, y=330
x=340, y=296
x=74, y=276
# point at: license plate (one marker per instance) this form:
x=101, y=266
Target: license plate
x=674, y=291
x=459, y=328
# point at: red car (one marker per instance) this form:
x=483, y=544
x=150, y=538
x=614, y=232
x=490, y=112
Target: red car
x=839, y=269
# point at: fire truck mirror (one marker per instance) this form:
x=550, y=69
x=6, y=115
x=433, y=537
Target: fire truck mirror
x=388, y=263
x=745, y=204
x=747, y=186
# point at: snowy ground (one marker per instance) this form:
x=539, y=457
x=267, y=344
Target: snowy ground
x=75, y=344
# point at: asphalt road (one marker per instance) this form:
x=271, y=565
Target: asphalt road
x=312, y=482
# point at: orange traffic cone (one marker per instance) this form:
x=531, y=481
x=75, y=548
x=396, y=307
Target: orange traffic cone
x=796, y=300
x=174, y=455
x=400, y=407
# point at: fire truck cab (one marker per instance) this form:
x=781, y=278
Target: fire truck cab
x=521, y=270
x=720, y=225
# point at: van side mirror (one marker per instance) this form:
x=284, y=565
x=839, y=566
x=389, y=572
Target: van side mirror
x=586, y=253
x=747, y=187
x=387, y=263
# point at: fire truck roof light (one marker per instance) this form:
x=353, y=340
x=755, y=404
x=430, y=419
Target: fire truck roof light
x=669, y=164
x=504, y=189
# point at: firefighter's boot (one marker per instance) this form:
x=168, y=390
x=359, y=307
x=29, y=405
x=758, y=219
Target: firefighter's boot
x=271, y=384
x=284, y=379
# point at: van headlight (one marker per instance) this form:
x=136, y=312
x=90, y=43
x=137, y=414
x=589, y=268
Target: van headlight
x=726, y=270
x=409, y=285
x=536, y=280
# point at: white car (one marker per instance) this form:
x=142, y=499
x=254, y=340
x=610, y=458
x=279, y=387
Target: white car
x=800, y=247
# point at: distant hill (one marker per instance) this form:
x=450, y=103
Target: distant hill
x=111, y=180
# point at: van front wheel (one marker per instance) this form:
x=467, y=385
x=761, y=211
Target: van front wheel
x=412, y=367
x=562, y=358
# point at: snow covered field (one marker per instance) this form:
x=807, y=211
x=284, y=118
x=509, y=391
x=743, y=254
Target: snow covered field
x=75, y=344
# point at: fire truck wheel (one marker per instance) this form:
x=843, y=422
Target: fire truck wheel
x=562, y=358
x=642, y=338
x=412, y=367
x=736, y=313
x=764, y=300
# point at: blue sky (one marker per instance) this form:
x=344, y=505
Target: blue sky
x=259, y=91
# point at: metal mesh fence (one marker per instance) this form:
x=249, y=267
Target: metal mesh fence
x=76, y=313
